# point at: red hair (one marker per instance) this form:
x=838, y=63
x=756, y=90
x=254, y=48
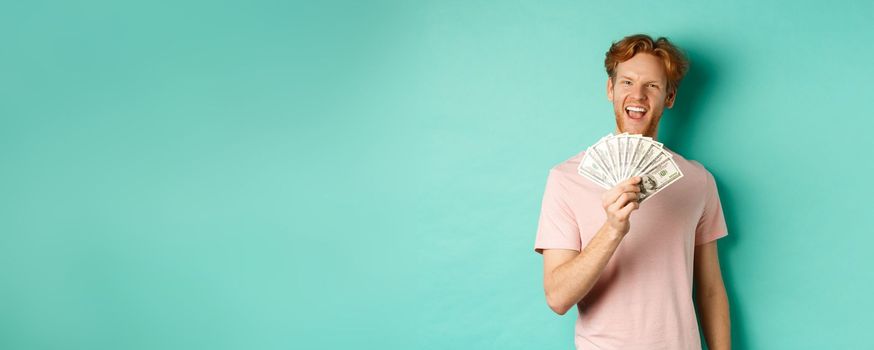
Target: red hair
x=674, y=60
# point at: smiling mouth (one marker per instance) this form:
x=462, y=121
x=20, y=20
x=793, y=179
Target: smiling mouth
x=635, y=112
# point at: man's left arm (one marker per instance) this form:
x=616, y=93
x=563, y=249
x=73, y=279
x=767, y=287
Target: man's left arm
x=711, y=297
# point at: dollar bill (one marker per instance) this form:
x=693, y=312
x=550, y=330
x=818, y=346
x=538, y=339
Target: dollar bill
x=589, y=167
x=617, y=157
x=658, y=179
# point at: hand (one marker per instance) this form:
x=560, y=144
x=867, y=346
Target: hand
x=619, y=202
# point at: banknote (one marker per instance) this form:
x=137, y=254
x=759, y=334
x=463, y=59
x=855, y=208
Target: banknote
x=618, y=157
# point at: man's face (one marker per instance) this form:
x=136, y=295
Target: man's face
x=639, y=94
x=649, y=183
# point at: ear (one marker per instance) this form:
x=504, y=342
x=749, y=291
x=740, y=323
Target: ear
x=669, y=101
x=610, y=88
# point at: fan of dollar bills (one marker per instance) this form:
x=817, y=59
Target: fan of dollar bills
x=616, y=158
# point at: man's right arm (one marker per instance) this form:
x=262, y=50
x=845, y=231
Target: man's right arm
x=569, y=275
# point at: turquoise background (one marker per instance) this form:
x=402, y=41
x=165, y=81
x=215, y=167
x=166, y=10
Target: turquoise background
x=328, y=175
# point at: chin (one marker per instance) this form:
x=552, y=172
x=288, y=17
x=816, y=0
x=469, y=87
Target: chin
x=634, y=129
x=645, y=126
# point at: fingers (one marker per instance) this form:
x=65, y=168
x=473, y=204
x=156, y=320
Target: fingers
x=623, y=199
x=626, y=211
x=612, y=195
x=620, y=201
x=634, y=180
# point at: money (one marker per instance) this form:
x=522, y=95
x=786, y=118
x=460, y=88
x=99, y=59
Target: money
x=616, y=158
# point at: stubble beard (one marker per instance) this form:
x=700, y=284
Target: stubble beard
x=650, y=130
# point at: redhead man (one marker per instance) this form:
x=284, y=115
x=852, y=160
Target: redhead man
x=629, y=268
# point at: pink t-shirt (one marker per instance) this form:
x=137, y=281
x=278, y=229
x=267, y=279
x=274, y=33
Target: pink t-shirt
x=643, y=299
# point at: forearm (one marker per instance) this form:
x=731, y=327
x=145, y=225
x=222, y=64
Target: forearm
x=571, y=281
x=715, y=319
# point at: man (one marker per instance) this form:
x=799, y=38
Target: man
x=629, y=267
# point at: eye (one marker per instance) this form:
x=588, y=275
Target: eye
x=625, y=82
x=654, y=86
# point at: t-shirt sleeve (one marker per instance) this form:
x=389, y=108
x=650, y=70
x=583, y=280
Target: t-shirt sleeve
x=711, y=226
x=557, y=227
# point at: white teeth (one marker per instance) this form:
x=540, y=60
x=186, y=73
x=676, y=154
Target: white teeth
x=636, y=109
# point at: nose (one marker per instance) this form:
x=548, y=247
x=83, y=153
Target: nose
x=637, y=92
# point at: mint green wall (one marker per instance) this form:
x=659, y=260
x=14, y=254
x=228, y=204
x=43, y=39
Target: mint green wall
x=275, y=175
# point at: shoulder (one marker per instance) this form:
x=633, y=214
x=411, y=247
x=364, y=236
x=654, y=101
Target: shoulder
x=694, y=170
x=564, y=177
x=567, y=168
